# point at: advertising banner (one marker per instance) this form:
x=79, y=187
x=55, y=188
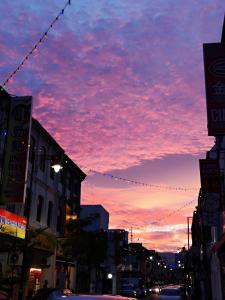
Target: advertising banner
x=214, y=62
x=12, y=224
x=16, y=151
x=210, y=175
x=4, y=113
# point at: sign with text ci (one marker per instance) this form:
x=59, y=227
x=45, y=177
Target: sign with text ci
x=214, y=62
x=12, y=224
x=16, y=151
x=4, y=112
x=210, y=175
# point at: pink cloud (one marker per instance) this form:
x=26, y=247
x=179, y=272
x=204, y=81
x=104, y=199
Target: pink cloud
x=117, y=85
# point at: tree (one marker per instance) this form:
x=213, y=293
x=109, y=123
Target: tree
x=89, y=248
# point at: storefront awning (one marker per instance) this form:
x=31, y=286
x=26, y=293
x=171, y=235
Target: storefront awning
x=65, y=260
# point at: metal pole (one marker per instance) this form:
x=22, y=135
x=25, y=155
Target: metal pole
x=24, y=270
x=188, y=232
x=223, y=32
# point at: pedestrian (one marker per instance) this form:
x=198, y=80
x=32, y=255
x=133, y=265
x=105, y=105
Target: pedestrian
x=45, y=285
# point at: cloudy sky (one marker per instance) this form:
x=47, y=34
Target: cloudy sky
x=120, y=86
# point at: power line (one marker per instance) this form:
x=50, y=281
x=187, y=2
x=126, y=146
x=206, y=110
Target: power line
x=34, y=49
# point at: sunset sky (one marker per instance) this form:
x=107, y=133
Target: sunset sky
x=120, y=86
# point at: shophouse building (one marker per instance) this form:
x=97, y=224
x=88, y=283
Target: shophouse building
x=50, y=200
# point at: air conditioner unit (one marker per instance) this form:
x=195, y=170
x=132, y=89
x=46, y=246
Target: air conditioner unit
x=45, y=262
x=15, y=259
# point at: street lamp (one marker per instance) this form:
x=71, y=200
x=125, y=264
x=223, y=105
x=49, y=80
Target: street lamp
x=109, y=276
x=56, y=167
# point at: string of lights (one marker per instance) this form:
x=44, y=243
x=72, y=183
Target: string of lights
x=169, y=215
x=36, y=45
x=174, y=212
x=129, y=181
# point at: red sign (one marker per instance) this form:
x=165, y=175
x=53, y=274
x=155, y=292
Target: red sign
x=16, y=151
x=12, y=224
x=214, y=61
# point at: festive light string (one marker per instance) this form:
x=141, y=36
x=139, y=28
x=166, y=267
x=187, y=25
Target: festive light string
x=34, y=49
x=173, y=212
x=129, y=181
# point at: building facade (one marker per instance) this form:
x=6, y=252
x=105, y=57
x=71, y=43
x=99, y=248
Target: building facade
x=51, y=199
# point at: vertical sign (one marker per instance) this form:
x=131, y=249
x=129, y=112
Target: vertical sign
x=214, y=61
x=210, y=175
x=16, y=152
x=4, y=113
x=211, y=192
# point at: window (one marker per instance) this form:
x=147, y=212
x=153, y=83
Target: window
x=39, y=208
x=68, y=178
x=59, y=219
x=49, y=219
x=62, y=176
x=42, y=160
x=32, y=150
x=27, y=203
x=52, y=173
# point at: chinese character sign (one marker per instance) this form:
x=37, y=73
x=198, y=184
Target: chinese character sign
x=214, y=61
x=16, y=151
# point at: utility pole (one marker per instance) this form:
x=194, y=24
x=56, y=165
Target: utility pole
x=131, y=235
x=188, y=231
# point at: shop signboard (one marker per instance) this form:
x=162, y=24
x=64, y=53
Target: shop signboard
x=12, y=224
x=44, y=241
x=214, y=63
x=210, y=175
x=211, y=209
x=211, y=219
x=4, y=112
x=16, y=151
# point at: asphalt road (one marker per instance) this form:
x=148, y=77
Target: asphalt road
x=152, y=297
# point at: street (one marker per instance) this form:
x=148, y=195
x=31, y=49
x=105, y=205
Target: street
x=151, y=297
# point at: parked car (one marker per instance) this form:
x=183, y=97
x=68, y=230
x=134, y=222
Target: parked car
x=67, y=292
x=98, y=297
x=48, y=294
x=171, y=293
x=154, y=290
x=140, y=292
x=128, y=290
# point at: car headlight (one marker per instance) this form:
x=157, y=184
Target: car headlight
x=157, y=290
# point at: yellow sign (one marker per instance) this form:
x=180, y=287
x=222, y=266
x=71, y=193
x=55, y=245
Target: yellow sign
x=12, y=224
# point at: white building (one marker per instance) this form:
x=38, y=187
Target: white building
x=99, y=215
